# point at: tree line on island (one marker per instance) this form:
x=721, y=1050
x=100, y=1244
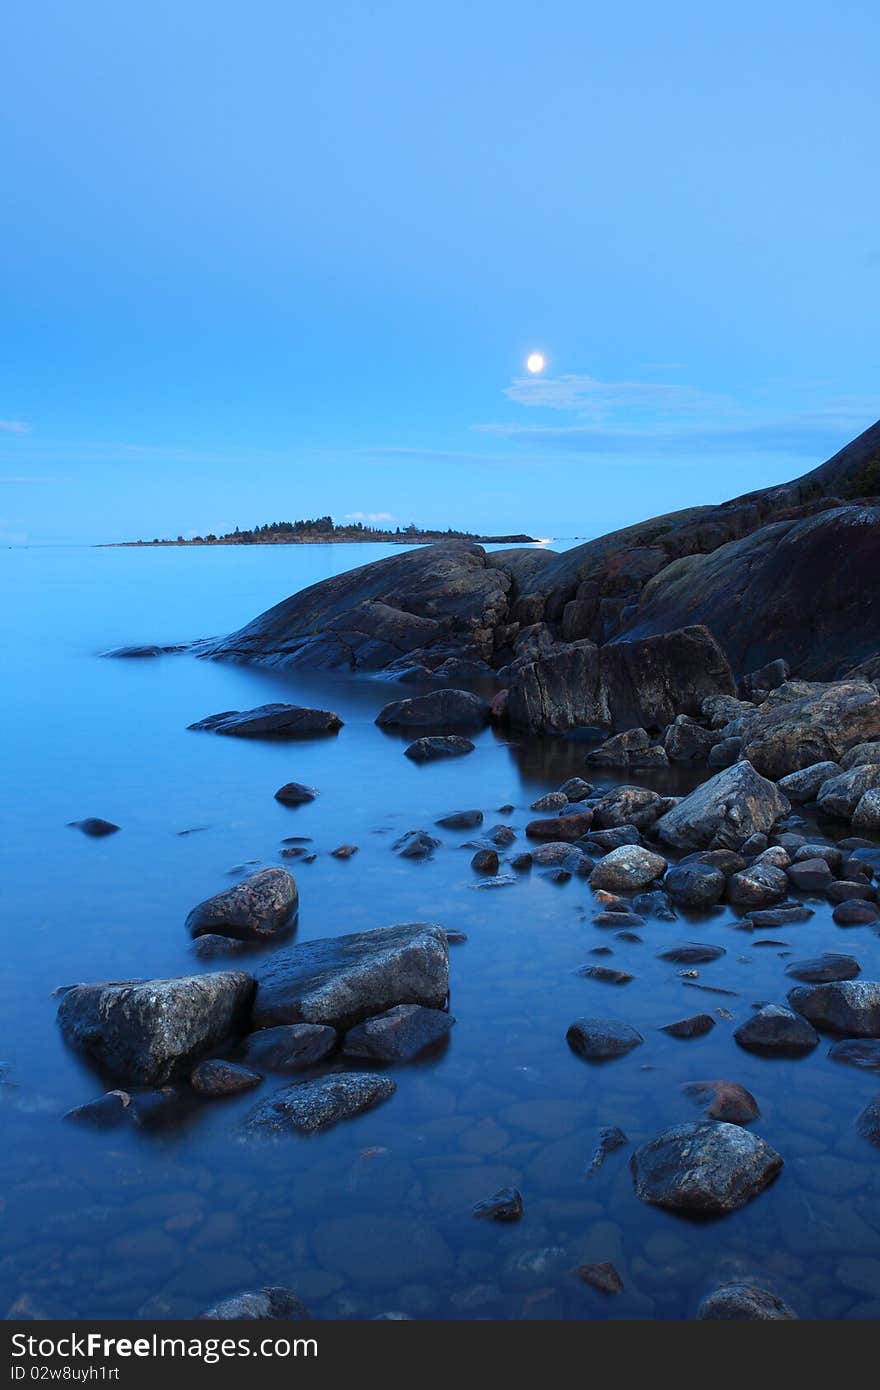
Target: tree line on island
x=324, y=529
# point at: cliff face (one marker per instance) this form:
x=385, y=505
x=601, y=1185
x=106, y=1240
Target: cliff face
x=788, y=571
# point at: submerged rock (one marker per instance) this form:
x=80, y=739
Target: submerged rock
x=692, y=953
x=601, y=1039
x=868, y=1122
x=724, y=1100
x=744, y=1302
x=94, y=827
x=398, y=1035
x=461, y=820
x=693, y=1027
x=857, y=1052
x=725, y=811
x=845, y=1006
x=504, y=1205
x=216, y=1077
x=704, y=1167
x=272, y=721
x=289, y=1046
x=824, y=969
x=259, y=1305
x=568, y=827
x=427, y=750
x=257, y=909
x=109, y=1111
x=341, y=980
x=146, y=1031
x=416, y=844
x=603, y=1277
x=441, y=709
x=611, y=1138
x=309, y=1106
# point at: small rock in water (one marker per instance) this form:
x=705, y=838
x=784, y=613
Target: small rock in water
x=502, y=836
x=856, y=913
x=822, y=970
x=461, y=820
x=858, y=1052
x=724, y=1100
x=693, y=1027
x=310, y=1106
x=290, y=1046
x=215, y=1077
x=692, y=953
x=576, y=789
x=344, y=851
x=276, y=721
x=868, y=1122
x=500, y=881
x=711, y=1167
x=776, y=1030
x=295, y=794
x=601, y=1039
x=760, y=885
x=744, y=1302
x=426, y=750
x=399, y=1034
x=259, y=1305
x=610, y=1138
x=603, y=1277
x=568, y=827
x=846, y=1006
x=257, y=909
x=695, y=885
x=416, y=844
x=505, y=1205
x=485, y=861
x=553, y=801
x=211, y=945
x=780, y=916
x=106, y=1112
x=94, y=826
x=605, y=974
x=522, y=862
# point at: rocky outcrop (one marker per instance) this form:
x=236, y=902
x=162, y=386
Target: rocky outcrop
x=725, y=811
x=147, y=1031
x=344, y=979
x=272, y=721
x=802, y=724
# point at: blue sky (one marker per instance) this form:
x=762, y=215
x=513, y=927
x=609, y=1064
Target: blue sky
x=273, y=259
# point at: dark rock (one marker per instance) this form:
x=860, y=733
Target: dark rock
x=416, y=844
x=856, y=914
x=857, y=1052
x=725, y=752
x=846, y=1006
x=758, y=886
x=212, y=945
x=553, y=801
x=868, y=1122
x=804, y=784
x=692, y=953
x=344, y=851
x=94, y=827
x=610, y=1139
x=739, y=1301
x=861, y=753
x=502, y=835
x=522, y=862
x=601, y=841
x=636, y=806
x=810, y=875
x=568, y=827
x=485, y=861
x=727, y=860
x=215, y=1077
x=603, y=1277
x=866, y=815
x=767, y=677
x=295, y=794
x=655, y=904
x=428, y=750
x=818, y=725
x=309, y=1106
x=259, y=908
x=757, y=844
x=724, y=1100
x=289, y=1046
x=710, y=1167
x=144, y=650
x=627, y=869
x=399, y=1034
x=686, y=741
x=146, y=1031
x=259, y=1305
x=601, y=1039
x=695, y=885
x=840, y=795
x=272, y=721
x=341, y=980
x=846, y=891
x=461, y=820
x=441, y=709
x=779, y=916
x=109, y=1111
x=576, y=789
x=694, y=1027
x=775, y=1030
x=632, y=749
x=824, y=969
x=505, y=1205
x=724, y=811
x=605, y=974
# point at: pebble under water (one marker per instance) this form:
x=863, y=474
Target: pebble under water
x=374, y=1216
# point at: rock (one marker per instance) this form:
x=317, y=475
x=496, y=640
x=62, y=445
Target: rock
x=724, y=811
x=767, y=677
x=576, y=789
x=289, y=1046
x=272, y=721
x=398, y=1035
x=555, y=853
x=725, y=752
x=804, y=784
x=309, y=1106
x=695, y=885
x=711, y=1167
x=845, y=891
x=779, y=916
x=686, y=741
x=416, y=844
x=295, y=794
x=627, y=806
x=833, y=857
x=840, y=795
x=146, y=1031
x=724, y=1100
x=502, y=835
x=810, y=875
x=758, y=886
x=603, y=1277
x=866, y=815
x=861, y=753
x=775, y=1030
x=611, y=1138
x=601, y=841
x=856, y=914
x=818, y=725
x=428, y=750
x=568, y=827
x=632, y=749
x=744, y=1302
x=259, y=908
x=694, y=1027
x=601, y=1039
x=344, y=852
x=692, y=953
x=215, y=1077
x=212, y=945
x=441, y=709
x=845, y=1006
x=341, y=980
x=522, y=862
x=824, y=969
x=505, y=1205
x=109, y=1111
x=605, y=974
x=857, y=1052
x=94, y=827
x=485, y=861
x=144, y=650
x=259, y=1305
x=627, y=869
x=461, y=820
x=553, y=801
x=868, y=1122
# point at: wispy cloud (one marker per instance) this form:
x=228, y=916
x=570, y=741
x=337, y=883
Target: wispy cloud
x=15, y=427
x=603, y=400
x=369, y=517
x=794, y=437
x=16, y=481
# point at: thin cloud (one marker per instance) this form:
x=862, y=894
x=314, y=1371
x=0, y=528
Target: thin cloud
x=603, y=400
x=800, y=438
x=369, y=516
x=15, y=426
x=16, y=481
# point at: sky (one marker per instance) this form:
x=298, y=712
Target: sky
x=278, y=259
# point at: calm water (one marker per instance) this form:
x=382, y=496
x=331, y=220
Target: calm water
x=372, y=1216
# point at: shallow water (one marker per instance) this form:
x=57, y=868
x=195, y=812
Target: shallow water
x=373, y=1216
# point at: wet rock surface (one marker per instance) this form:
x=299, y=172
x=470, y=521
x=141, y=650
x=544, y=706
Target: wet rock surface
x=398, y=1035
x=602, y=1039
x=710, y=1168
x=272, y=721
x=427, y=750
x=310, y=1106
x=259, y=908
x=289, y=1046
x=259, y=1305
x=740, y=1301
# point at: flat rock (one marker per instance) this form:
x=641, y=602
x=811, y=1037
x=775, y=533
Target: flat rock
x=601, y=1039
x=733, y=805
x=94, y=827
x=309, y=1106
x=780, y=916
x=441, y=709
x=146, y=1031
x=554, y=828
x=695, y=1026
x=776, y=1031
x=215, y=1077
x=711, y=1167
x=427, y=750
x=259, y=908
x=110, y=1111
x=272, y=721
x=628, y=869
x=461, y=820
x=845, y=1006
x=739, y=1301
x=691, y=953
x=857, y=1052
x=695, y=885
x=289, y=1046
x=724, y=1100
x=399, y=1034
x=856, y=913
x=824, y=969
x=342, y=980
x=605, y=974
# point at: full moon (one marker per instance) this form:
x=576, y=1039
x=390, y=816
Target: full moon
x=535, y=362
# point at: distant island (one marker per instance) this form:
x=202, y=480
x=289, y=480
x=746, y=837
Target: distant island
x=323, y=529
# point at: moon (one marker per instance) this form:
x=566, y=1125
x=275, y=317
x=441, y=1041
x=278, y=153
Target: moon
x=535, y=362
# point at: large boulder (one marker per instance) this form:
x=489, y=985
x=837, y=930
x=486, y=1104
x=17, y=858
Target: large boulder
x=309, y=1106
x=343, y=979
x=802, y=725
x=257, y=909
x=733, y=805
x=441, y=709
x=844, y=1006
x=272, y=721
x=623, y=685
x=840, y=795
x=708, y=1167
x=147, y=1031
